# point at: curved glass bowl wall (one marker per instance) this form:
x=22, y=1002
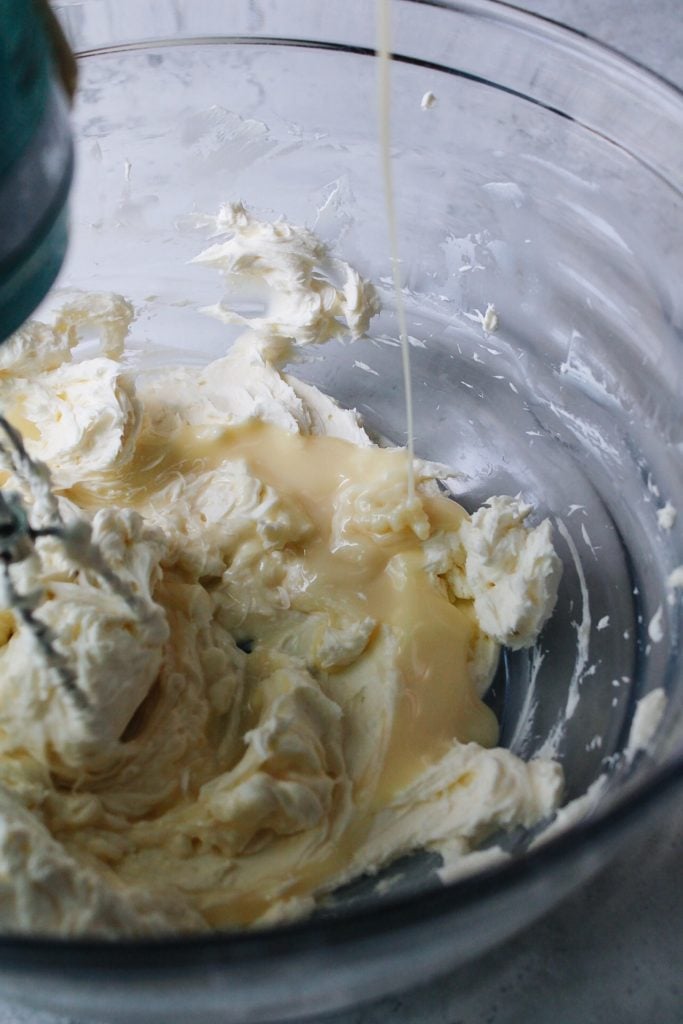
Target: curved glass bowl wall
x=545, y=180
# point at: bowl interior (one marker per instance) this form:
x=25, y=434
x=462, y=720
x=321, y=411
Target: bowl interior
x=506, y=195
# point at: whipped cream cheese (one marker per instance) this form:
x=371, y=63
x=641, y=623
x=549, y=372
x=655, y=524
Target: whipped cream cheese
x=295, y=696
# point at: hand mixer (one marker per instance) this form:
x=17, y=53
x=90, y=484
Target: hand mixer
x=37, y=80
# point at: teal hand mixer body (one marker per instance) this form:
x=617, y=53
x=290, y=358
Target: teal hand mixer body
x=36, y=156
x=37, y=79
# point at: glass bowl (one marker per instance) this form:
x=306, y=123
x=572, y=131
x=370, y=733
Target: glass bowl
x=545, y=180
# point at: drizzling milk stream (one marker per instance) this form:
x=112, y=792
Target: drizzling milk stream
x=384, y=126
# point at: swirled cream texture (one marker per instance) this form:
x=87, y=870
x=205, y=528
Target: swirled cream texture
x=297, y=699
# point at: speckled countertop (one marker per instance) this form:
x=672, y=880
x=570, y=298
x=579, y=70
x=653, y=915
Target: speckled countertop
x=611, y=953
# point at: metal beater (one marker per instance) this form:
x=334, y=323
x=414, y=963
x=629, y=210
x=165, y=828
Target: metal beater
x=37, y=80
